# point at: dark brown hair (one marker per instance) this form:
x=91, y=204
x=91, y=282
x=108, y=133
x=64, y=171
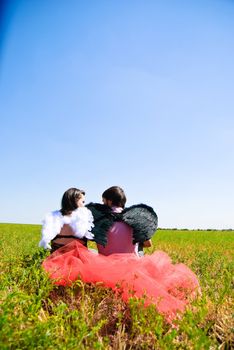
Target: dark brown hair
x=116, y=195
x=69, y=200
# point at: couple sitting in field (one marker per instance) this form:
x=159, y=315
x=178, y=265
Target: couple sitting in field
x=113, y=228
x=120, y=234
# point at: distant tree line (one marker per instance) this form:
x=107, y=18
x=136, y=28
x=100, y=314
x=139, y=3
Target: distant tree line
x=195, y=229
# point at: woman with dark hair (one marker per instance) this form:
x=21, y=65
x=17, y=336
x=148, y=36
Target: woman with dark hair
x=72, y=222
x=71, y=200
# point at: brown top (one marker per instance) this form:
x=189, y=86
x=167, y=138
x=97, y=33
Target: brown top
x=65, y=236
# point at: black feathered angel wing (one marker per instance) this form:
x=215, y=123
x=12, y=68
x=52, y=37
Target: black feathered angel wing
x=103, y=220
x=143, y=220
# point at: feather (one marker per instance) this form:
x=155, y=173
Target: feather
x=143, y=220
x=140, y=217
x=103, y=220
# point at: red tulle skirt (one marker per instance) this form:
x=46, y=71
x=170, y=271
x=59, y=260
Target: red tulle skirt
x=153, y=277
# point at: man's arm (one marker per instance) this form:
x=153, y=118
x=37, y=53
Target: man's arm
x=147, y=244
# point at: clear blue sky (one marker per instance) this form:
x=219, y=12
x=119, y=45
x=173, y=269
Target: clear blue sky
x=138, y=94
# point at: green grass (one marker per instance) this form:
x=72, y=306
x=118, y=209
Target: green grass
x=34, y=314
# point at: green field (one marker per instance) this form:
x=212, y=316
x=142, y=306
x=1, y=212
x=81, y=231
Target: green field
x=35, y=314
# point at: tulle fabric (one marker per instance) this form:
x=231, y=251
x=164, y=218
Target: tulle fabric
x=169, y=286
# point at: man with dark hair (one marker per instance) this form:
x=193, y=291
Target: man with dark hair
x=122, y=230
